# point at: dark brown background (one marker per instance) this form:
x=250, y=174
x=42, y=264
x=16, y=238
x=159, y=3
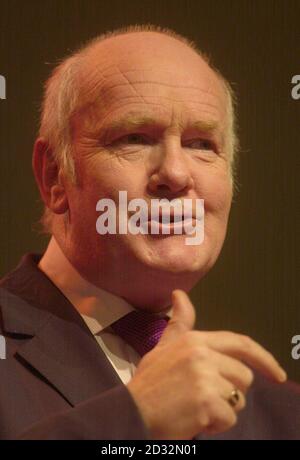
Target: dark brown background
x=253, y=288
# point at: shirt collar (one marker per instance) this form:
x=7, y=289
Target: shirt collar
x=98, y=307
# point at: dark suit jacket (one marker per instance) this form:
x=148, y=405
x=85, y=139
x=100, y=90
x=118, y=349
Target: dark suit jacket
x=56, y=382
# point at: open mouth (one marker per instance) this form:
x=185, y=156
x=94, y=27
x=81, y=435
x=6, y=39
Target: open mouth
x=166, y=220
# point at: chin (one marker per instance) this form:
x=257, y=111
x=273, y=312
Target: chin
x=165, y=275
x=175, y=257
x=181, y=264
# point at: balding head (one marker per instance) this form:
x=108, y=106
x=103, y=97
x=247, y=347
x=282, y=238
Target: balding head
x=75, y=83
x=150, y=51
x=139, y=111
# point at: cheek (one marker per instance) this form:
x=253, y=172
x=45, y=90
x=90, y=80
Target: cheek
x=221, y=201
x=217, y=194
x=106, y=175
x=100, y=181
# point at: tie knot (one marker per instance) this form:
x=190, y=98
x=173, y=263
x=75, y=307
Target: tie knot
x=141, y=330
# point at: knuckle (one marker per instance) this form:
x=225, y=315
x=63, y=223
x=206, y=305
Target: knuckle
x=194, y=355
x=219, y=422
x=232, y=419
x=246, y=342
x=227, y=335
x=228, y=421
x=188, y=365
x=201, y=352
x=243, y=403
x=249, y=377
x=197, y=335
x=202, y=420
x=206, y=399
x=187, y=340
x=203, y=383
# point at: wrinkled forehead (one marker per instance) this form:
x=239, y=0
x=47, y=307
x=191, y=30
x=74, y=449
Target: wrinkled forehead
x=110, y=79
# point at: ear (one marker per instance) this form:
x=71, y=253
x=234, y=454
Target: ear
x=49, y=177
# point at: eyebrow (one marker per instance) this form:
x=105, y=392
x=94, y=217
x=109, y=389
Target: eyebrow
x=132, y=121
x=138, y=121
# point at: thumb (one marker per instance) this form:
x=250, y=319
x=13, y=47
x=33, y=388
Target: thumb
x=183, y=317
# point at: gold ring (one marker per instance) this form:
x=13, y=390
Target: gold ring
x=234, y=397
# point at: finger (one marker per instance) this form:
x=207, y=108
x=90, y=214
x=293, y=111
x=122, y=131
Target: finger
x=222, y=417
x=214, y=413
x=183, y=317
x=225, y=389
x=240, y=375
x=236, y=399
x=246, y=349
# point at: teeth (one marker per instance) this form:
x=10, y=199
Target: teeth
x=177, y=202
x=172, y=218
x=177, y=218
x=167, y=218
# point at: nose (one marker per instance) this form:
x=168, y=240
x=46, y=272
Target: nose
x=171, y=174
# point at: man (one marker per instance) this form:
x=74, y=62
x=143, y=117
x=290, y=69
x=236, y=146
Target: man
x=99, y=330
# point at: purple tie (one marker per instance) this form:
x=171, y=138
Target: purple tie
x=140, y=329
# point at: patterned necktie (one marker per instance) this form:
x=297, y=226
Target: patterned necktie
x=140, y=329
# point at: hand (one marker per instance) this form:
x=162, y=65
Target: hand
x=182, y=386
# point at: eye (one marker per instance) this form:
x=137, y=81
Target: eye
x=201, y=144
x=134, y=138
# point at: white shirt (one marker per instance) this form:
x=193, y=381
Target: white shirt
x=98, y=307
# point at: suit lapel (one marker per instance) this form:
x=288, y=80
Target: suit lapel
x=58, y=345
x=70, y=360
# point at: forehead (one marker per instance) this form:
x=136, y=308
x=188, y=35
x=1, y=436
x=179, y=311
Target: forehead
x=179, y=84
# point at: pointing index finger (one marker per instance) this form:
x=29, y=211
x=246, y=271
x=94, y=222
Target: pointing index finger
x=246, y=349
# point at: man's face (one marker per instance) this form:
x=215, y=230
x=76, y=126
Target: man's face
x=157, y=129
